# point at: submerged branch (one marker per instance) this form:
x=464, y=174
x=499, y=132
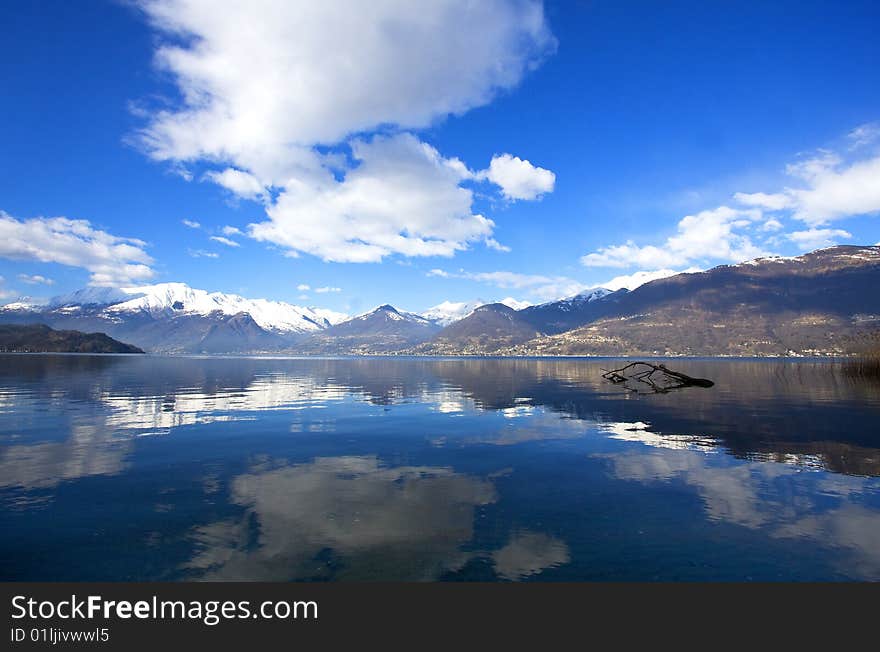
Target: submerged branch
x=656, y=376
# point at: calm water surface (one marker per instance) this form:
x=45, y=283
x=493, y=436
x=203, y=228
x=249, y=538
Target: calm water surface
x=159, y=468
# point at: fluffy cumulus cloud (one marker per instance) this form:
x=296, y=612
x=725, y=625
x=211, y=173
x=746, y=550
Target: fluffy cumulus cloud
x=110, y=259
x=35, y=279
x=828, y=186
x=817, y=238
x=519, y=179
x=239, y=183
x=273, y=107
x=772, y=202
x=403, y=197
x=544, y=288
x=260, y=77
x=835, y=190
x=825, y=186
x=711, y=234
x=551, y=288
x=634, y=280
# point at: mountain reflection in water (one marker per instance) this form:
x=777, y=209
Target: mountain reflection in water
x=121, y=467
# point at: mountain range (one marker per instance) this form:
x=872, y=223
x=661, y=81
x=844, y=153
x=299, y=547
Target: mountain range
x=823, y=302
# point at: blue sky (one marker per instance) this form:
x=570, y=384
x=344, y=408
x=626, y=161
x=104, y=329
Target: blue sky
x=414, y=156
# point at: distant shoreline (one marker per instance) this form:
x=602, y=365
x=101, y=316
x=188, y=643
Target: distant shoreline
x=392, y=356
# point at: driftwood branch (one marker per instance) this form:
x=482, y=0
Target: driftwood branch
x=656, y=376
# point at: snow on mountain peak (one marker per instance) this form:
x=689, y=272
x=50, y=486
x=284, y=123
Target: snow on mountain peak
x=168, y=299
x=449, y=312
x=510, y=302
x=587, y=296
x=390, y=312
x=842, y=254
x=592, y=294
x=20, y=306
x=90, y=296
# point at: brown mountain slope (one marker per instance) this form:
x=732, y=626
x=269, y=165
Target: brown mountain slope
x=824, y=302
x=486, y=328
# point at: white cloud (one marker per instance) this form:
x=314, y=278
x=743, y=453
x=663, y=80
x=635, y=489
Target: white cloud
x=830, y=187
x=35, y=279
x=492, y=243
x=191, y=224
x=231, y=230
x=326, y=289
x=836, y=191
x=111, y=260
x=240, y=183
x=634, y=280
x=817, y=238
x=774, y=202
x=201, y=253
x=810, y=169
x=403, y=198
x=518, y=178
x=630, y=255
x=864, y=135
x=262, y=91
x=302, y=287
x=710, y=234
x=259, y=80
x=225, y=241
x=545, y=288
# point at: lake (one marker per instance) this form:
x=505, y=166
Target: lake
x=254, y=468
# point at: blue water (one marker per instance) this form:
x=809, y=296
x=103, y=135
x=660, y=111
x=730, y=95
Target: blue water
x=162, y=468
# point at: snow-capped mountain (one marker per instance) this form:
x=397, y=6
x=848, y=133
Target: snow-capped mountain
x=388, y=312
x=829, y=258
x=172, y=299
x=91, y=296
x=173, y=317
x=449, y=312
x=382, y=329
x=819, y=303
x=587, y=296
x=382, y=320
x=22, y=305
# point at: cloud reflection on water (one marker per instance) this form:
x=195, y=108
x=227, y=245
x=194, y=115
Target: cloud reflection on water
x=756, y=453
x=779, y=499
x=377, y=522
